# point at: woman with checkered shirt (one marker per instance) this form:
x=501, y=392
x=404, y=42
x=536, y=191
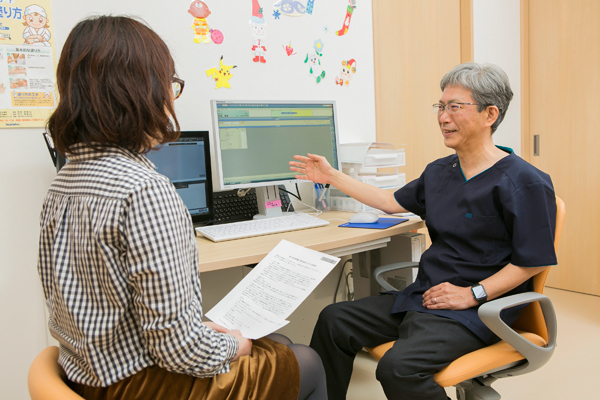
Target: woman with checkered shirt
x=117, y=254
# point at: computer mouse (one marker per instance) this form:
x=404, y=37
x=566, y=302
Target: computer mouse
x=364, y=218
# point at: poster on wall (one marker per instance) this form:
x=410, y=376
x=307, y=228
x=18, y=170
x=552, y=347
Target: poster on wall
x=27, y=85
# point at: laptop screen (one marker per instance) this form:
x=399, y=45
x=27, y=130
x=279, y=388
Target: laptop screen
x=186, y=162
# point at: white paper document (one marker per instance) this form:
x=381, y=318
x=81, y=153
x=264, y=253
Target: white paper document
x=261, y=302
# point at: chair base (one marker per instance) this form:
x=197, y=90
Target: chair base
x=477, y=389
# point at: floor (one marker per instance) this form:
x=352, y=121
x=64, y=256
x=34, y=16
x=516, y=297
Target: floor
x=568, y=375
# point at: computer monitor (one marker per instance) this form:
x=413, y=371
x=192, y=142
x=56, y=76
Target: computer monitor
x=255, y=140
x=186, y=162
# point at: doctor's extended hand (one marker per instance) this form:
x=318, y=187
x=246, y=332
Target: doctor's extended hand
x=313, y=167
x=447, y=296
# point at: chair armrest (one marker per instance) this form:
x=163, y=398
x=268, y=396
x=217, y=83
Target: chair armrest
x=535, y=355
x=379, y=271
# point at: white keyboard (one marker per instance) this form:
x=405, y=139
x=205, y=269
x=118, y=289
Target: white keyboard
x=259, y=227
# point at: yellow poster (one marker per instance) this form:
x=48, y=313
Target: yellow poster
x=27, y=84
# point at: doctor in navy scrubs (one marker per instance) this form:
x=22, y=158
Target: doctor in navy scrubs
x=491, y=218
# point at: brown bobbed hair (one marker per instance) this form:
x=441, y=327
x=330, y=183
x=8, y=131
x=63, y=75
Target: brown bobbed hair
x=114, y=81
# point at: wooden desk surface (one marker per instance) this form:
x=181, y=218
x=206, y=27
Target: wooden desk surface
x=233, y=253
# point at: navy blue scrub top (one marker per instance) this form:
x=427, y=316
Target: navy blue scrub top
x=506, y=214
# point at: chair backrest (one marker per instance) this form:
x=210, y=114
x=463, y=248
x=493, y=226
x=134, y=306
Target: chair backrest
x=46, y=378
x=532, y=318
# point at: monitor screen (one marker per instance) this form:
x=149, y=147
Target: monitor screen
x=186, y=162
x=255, y=140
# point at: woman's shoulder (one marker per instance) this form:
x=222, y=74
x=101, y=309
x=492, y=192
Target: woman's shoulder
x=114, y=172
x=137, y=176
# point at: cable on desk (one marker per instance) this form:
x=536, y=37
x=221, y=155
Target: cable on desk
x=349, y=296
x=318, y=212
x=292, y=194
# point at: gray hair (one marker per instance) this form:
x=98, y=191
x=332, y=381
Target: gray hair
x=487, y=83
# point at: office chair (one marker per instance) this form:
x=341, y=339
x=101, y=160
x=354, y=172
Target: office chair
x=46, y=378
x=524, y=347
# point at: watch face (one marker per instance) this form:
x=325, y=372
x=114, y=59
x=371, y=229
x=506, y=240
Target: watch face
x=479, y=292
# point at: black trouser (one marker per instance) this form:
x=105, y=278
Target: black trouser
x=425, y=343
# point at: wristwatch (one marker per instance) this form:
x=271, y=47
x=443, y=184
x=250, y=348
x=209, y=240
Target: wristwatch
x=479, y=293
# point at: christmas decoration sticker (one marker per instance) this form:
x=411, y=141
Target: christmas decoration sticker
x=349, y=12
x=259, y=31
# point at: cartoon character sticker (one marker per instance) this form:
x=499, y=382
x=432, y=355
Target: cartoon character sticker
x=203, y=33
x=221, y=75
x=347, y=72
x=200, y=12
x=313, y=59
x=259, y=32
x=349, y=12
x=35, y=20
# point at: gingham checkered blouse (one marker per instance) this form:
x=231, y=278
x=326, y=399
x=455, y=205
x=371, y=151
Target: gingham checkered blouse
x=118, y=264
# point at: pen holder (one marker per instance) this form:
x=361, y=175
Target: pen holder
x=321, y=197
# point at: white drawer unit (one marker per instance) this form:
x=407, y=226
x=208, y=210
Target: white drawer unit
x=372, y=154
x=361, y=161
x=383, y=180
x=377, y=157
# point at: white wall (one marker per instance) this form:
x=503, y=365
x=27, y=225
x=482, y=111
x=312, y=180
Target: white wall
x=496, y=33
x=26, y=173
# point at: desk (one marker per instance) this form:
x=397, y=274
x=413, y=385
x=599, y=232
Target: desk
x=329, y=239
x=218, y=262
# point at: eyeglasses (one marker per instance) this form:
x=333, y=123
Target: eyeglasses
x=452, y=108
x=177, y=86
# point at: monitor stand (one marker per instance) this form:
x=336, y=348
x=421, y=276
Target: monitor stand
x=269, y=202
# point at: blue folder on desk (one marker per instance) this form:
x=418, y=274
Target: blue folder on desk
x=382, y=223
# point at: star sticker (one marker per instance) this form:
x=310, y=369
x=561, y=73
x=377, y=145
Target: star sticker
x=326, y=29
x=276, y=14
